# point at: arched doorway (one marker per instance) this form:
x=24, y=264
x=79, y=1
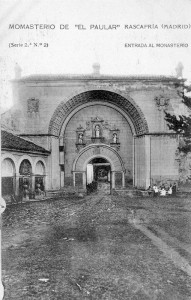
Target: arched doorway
x=25, y=179
x=102, y=163
x=99, y=171
x=8, y=177
x=39, y=177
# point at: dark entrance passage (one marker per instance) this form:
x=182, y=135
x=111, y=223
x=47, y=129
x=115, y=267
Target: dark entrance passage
x=25, y=180
x=99, y=174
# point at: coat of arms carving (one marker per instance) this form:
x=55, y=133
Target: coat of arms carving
x=33, y=106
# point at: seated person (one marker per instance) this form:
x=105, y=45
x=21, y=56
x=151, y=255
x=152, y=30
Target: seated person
x=174, y=189
x=169, y=192
x=163, y=192
x=150, y=190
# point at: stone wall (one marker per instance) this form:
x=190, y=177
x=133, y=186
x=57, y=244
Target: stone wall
x=37, y=101
x=140, y=162
x=163, y=158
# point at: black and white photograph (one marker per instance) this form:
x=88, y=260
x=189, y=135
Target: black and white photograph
x=95, y=150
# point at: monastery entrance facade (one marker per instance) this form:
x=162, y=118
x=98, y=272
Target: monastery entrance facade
x=98, y=128
x=98, y=124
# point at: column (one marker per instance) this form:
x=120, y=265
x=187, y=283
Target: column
x=147, y=161
x=33, y=182
x=74, y=182
x=17, y=184
x=112, y=179
x=123, y=179
x=55, y=167
x=45, y=181
x=135, y=162
x=61, y=161
x=61, y=179
x=84, y=180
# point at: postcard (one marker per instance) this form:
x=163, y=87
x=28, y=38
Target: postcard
x=95, y=149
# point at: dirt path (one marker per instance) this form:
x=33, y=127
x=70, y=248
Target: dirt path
x=86, y=250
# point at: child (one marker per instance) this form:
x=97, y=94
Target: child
x=156, y=190
x=170, y=190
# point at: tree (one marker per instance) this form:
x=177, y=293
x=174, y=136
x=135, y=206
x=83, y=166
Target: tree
x=182, y=124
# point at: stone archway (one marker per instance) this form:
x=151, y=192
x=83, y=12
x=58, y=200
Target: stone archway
x=94, y=151
x=40, y=177
x=124, y=102
x=25, y=178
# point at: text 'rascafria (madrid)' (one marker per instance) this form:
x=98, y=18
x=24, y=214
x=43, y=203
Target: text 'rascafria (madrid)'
x=100, y=27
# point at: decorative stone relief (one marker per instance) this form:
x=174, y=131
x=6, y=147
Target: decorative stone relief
x=88, y=125
x=33, y=107
x=106, y=125
x=97, y=119
x=97, y=131
x=162, y=102
x=25, y=167
x=80, y=138
x=114, y=138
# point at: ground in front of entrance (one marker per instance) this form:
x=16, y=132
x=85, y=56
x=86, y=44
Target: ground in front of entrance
x=99, y=247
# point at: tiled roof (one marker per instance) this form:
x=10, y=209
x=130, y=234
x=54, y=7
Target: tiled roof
x=10, y=141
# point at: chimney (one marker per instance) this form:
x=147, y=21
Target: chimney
x=18, y=71
x=179, y=70
x=96, y=69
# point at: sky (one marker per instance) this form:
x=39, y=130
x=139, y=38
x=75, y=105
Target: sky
x=74, y=51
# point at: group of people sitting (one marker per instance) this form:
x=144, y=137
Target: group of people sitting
x=162, y=190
